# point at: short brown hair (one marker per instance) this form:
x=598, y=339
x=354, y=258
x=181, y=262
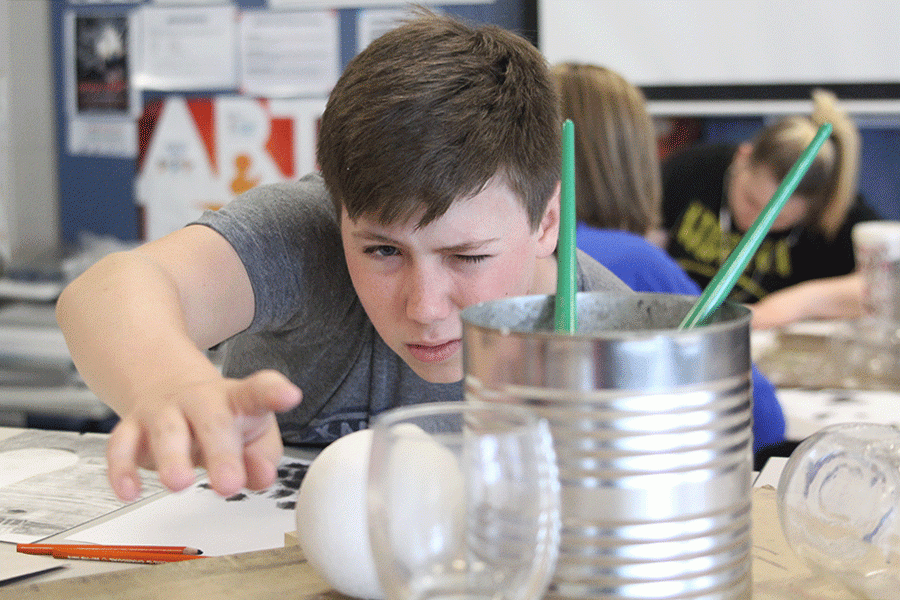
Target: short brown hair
x=618, y=184
x=430, y=112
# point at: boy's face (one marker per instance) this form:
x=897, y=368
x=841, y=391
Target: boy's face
x=413, y=282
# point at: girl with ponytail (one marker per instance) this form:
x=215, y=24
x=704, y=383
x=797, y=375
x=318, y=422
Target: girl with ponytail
x=805, y=267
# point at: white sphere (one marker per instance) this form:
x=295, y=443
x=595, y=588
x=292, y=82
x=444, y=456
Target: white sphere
x=332, y=524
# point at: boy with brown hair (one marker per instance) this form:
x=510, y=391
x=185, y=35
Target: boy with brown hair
x=440, y=152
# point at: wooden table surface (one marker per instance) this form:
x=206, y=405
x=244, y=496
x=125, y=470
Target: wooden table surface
x=778, y=574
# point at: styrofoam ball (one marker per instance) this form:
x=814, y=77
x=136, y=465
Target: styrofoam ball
x=332, y=524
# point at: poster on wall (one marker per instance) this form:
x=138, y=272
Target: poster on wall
x=290, y=53
x=182, y=48
x=198, y=154
x=100, y=68
x=101, y=100
x=373, y=23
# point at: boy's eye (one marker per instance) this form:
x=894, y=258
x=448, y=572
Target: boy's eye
x=382, y=250
x=472, y=258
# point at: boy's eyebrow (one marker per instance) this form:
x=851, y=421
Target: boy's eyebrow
x=374, y=237
x=463, y=247
x=468, y=246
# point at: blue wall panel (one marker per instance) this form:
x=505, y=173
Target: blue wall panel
x=96, y=193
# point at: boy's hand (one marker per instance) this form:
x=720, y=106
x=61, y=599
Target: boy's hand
x=227, y=426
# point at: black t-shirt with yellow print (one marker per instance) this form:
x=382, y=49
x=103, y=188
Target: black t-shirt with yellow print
x=701, y=235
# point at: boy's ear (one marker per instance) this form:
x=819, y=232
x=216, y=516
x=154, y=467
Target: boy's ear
x=548, y=229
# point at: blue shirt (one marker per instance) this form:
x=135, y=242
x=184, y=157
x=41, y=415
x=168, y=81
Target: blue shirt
x=646, y=268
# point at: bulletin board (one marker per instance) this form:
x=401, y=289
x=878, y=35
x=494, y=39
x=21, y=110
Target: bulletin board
x=125, y=89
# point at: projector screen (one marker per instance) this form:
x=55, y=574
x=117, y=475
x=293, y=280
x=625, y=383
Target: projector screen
x=734, y=55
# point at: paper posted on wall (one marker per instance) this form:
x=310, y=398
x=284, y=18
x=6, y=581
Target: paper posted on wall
x=198, y=154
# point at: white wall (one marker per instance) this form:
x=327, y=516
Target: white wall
x=731, y=43
x=31, y=183
x=4, y=133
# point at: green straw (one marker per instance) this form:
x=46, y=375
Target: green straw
x=566, y=314
x=724, y=280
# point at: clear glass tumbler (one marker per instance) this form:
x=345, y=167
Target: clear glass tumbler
x=839, y=504
x=463, y=502
x=877, y=249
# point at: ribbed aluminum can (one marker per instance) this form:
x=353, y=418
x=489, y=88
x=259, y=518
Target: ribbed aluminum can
x=652, y=426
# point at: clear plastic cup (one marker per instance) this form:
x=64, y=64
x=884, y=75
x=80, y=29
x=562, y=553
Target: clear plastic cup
x=839, y=505
x=463, y=502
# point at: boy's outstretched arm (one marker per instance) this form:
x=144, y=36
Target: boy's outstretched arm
x=137, y=324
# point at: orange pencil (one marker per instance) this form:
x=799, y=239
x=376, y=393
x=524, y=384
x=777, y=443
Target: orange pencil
x=139, y=556
x=49, y=548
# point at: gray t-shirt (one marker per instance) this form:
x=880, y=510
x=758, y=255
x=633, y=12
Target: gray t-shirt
x=309, y=323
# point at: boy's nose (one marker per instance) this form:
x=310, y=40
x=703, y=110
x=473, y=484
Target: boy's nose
x=427, y=298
